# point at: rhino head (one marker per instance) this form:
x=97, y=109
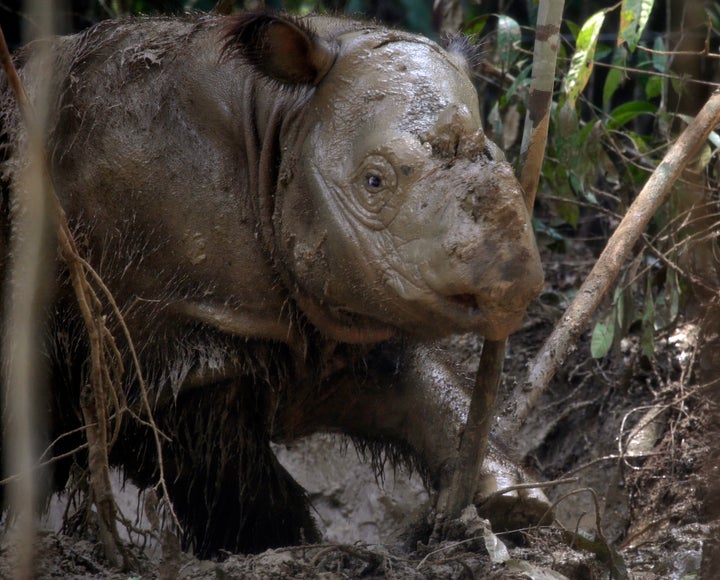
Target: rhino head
x=392, y=210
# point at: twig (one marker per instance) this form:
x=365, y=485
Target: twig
x=449, y=546
x=530, y=485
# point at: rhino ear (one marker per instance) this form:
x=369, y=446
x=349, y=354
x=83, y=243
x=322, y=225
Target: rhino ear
x=282, y=48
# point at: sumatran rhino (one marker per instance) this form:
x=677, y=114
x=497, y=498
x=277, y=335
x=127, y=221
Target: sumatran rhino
x=287, y=211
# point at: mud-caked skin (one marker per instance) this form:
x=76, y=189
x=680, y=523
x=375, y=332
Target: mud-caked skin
x=287, y=211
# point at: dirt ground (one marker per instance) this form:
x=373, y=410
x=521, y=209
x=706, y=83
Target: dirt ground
x=633, y=432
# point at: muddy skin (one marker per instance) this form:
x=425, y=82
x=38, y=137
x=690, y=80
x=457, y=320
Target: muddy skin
x=288, y=212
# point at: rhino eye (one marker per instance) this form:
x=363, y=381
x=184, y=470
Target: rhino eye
x=378, y=174
x=374, y=197
x=376, y=182
x=373, y=183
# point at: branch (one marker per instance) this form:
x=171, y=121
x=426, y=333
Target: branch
x=537, y=120
x=618, y=249
x=26, y=298
x=473, y=445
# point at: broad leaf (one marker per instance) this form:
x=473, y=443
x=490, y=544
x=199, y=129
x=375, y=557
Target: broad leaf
x=523, y=78
x=619, y=302
x=626, y=112
x=508, y=40
x=634, y=15
x=659, y=59
x=581, y=64
x=615, y=76
x=653, y=88
x=567, y=138
x=568, y=210
x=477, y=25
x=602, y=336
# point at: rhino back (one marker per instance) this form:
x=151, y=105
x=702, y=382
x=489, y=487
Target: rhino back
x=154, y=148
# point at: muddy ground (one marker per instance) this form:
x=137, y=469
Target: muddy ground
x=633, y=431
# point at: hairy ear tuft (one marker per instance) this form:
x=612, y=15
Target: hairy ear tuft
x=471, y=52
x=282, y=48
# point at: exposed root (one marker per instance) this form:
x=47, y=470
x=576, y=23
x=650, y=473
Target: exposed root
x=102, y=401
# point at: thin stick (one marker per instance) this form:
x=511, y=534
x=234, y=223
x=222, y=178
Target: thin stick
x=473, y=445
x=93, y=401
x=22, y=330
x=487, y=380
x=537, y=119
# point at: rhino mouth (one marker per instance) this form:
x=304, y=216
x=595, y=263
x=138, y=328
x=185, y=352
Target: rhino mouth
x=439, y=312
x=473, y=312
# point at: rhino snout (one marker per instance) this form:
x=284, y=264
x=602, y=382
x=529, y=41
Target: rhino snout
x=486, y=268
x=486, y=288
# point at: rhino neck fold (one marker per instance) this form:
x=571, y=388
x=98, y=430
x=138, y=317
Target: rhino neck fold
x=272, y=125
x=348, y=329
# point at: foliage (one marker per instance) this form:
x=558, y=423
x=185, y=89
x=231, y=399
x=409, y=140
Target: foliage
x=618, y=105
x=581, y=65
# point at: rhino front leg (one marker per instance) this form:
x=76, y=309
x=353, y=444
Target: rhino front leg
x=410, y=396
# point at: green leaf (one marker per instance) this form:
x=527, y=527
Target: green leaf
x=578, y=186
x=574, y=28
x=569, y=210
x=602, y=51
x=678, y=85
x=634, y=15
x=477, y=25
x=581, y=64
x=508, y=39
x=653, y=88
x=659, y=60
x=626, y=112
x=619, y=302
x=543, y=228
x=602, y=336
x=647, y=340
x=713, y=13
x=523, y=78
x=616, y=76
x=567, y=135
x=702, y=158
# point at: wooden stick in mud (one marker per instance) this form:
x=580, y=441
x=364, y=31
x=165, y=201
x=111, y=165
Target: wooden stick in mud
x=473, y=445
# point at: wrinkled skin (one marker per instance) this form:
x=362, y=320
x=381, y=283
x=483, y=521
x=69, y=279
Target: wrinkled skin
x=287, y=212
